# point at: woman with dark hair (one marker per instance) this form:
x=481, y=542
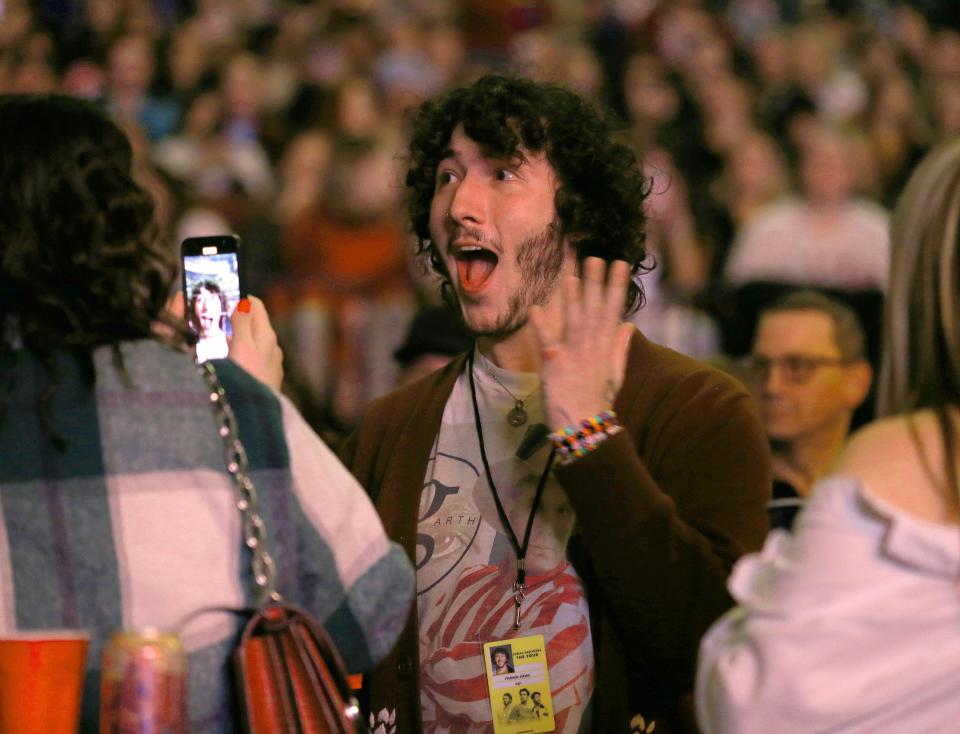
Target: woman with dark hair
x=116, y=506
x=834, y=622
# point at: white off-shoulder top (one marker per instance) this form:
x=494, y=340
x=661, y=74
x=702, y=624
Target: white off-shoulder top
x=852, y=624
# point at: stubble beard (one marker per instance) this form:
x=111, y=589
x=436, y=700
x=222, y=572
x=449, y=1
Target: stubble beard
x=540, y=258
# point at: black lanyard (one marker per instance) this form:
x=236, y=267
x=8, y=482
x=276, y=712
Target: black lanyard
x=518, y=548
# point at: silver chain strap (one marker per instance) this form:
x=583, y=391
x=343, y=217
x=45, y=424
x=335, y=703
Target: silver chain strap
x=254, y=529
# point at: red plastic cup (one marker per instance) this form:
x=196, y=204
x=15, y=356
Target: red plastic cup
x=41, y=680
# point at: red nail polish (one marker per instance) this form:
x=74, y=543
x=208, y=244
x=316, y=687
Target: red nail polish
x=243, y=306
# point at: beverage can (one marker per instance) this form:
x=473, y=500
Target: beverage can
x=143, y=684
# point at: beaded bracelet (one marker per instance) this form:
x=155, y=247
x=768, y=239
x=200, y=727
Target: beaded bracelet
x=575, y=441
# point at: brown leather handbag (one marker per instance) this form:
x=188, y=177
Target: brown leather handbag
x=290, y=678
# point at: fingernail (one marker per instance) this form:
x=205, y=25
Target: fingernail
x=243, y=306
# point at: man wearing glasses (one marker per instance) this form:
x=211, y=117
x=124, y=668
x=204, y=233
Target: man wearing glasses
x=809, y=374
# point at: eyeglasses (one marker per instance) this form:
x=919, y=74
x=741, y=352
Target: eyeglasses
x=795, y=368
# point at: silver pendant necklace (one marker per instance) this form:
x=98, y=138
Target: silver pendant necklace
x=517, y=416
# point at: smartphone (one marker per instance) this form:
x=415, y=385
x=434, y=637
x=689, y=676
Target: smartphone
x=213, y=285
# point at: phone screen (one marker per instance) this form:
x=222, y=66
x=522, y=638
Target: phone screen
x=211, y=293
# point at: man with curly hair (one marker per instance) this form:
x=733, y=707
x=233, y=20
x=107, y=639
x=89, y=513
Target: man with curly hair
x=532, y=215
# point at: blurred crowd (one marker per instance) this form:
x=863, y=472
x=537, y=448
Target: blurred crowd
x=776, y=134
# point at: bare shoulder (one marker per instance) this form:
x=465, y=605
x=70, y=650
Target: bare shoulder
x=894, y=467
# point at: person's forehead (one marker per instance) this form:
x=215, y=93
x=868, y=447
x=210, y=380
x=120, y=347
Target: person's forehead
x=796, y=332
x=461, y=145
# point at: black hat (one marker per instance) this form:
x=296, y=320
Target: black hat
x=434, y=330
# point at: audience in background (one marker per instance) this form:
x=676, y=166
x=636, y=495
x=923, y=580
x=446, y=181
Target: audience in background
x=240, y=104
x=754, y=175
x=348, y=288
x=667, y=316
x=131, y=66
x=829, y=237
x=809, y=371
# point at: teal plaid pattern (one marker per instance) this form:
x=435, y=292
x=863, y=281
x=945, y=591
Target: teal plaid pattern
x=133, y=523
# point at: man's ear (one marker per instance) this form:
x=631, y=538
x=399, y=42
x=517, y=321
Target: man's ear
x=859, y=378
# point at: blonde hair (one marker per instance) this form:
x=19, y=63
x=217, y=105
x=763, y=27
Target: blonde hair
x=921, y=354
x=921, y=357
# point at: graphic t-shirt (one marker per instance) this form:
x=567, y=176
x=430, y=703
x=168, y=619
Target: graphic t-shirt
x=466, y=565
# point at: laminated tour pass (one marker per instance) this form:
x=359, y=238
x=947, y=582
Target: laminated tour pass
x=519, y=685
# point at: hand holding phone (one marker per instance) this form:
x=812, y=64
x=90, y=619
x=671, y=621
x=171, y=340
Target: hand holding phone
x=254, y=345
x=213, y=285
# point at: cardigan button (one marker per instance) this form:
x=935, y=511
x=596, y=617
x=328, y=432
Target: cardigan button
x=405, y=667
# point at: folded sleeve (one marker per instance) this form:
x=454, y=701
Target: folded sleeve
x=368, y=577
x=332, y=556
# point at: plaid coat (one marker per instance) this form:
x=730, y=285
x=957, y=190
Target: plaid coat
x=134, y=523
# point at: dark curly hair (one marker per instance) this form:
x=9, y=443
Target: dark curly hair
x=81, y=261
x=599, y=202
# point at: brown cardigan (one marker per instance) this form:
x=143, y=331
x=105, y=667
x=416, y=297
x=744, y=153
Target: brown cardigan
x=664, y=508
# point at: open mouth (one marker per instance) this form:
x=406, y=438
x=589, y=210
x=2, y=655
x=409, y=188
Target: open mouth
x=475, y=265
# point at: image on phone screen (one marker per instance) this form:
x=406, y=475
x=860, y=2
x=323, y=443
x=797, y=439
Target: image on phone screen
x=212, y=293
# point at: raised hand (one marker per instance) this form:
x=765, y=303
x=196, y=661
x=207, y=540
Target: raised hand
x=583, y=344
